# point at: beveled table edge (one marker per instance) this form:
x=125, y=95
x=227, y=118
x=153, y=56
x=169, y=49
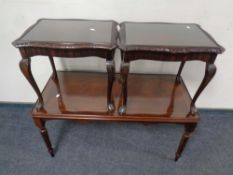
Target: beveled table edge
x=168, y=49
x=18, y=43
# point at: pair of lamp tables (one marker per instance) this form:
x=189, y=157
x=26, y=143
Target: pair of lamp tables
x=84, y=96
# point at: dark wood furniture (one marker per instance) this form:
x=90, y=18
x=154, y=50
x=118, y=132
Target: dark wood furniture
x=83, y=96
x=67, y=38
x=166, y=42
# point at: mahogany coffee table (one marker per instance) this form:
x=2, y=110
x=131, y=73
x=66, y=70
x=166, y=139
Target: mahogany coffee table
x=165, y=42
x=83, y=96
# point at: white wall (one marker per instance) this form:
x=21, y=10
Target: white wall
x=214, y=16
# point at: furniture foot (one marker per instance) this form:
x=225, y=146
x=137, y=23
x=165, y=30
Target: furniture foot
x=124, y=78
x=122, y=110
x=210, y=71
x=45, y=136
x=189, y=128
x=44, y=133
x=111, y=107
x=111, y=77
x=178, y=76
x=25, y=66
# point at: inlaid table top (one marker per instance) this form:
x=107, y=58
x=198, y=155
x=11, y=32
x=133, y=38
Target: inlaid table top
x=70, y=33
x=168, y=37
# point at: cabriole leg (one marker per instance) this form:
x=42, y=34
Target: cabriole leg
x=178, y=76
x=25, y=66
x=44, y=133
x=54, y=68
x=210, y=71
x=56, y=81
x=124, y=93
x=111, y=77
x=189, y=128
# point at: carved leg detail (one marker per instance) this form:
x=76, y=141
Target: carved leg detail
x=189, y=128
x=44, y=133
x=178, y=76
x=111, y=77
x=25, y=66
x=54, y=68
x=124, y=78
x=210, y=71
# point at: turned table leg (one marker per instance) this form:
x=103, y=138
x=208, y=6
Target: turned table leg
x=25, y=66
x=44, y=133
x=124, y=91
x=111, y=77
x=210, y=71
x=189, y=128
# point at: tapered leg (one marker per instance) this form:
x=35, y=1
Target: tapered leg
x=25, y=66
x=178, y=76
x=111, y=77
x=124, y=91
x=189, y=128
x=44, y=133
x=210, y=71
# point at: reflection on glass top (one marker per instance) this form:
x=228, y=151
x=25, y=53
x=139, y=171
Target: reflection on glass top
x=166, y=34
x=71, y=31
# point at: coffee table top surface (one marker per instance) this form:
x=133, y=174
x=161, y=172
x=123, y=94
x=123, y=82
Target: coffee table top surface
x=70, y=33
x=167, y=37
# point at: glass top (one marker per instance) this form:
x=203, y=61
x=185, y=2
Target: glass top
x=164, y=36
x=70, y=31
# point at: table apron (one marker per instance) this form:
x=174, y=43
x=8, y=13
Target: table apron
x=68, y=53
x=164, y=56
